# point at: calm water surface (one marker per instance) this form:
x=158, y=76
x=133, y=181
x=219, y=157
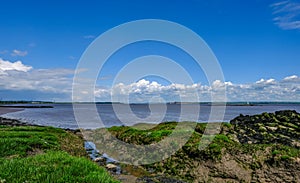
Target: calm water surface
x=62, y=115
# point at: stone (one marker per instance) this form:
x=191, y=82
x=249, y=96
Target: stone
x=100, y=159
x=271, y=128
x=111, y=166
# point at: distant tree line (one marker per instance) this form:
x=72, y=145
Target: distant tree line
x=23, y=102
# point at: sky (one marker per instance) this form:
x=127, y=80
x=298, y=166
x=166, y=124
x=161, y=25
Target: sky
x=256, y=43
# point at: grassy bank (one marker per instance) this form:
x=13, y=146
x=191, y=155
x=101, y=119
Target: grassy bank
x=45, y=154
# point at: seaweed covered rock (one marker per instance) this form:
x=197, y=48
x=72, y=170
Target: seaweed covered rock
x=281, y=127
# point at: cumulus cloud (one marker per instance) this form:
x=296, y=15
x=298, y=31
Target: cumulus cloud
x=54, y=80
x=288, y=89
x=287, y=14
x=15, y=76
x=145, y=91
x=266, y=90
x=266, y=82
x=19, y=53
x=292, y=79
x=12, y=66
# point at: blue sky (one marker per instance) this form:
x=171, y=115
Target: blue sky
x=252, y=40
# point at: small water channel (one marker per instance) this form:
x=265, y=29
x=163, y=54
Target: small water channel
x=102, y=159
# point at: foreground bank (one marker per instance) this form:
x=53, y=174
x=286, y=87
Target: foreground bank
x=44, y=154
x=259, y=148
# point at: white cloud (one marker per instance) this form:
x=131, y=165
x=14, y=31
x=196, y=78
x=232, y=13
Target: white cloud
x=45, y=80
x=292, y=78
x=10, y=66
x=145, y=91
x=16, y=76
x=287, y=14
x=19, y=53
x=262, y=90
x=266, y=82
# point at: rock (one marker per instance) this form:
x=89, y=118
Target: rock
x=111, y=166
x=262, y=129
x=89, y=149
x=271, y=128
x=100, y=159
x=281, y=127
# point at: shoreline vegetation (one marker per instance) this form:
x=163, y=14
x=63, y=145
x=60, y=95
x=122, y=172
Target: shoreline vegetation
x=258, y=148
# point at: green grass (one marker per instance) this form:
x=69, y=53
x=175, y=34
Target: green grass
x=52, y=166
x=20, y=141
x=45, y=154
x=157, y=133
x=143, y=133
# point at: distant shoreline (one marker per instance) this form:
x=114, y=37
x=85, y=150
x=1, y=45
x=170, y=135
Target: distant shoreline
x=26, y=106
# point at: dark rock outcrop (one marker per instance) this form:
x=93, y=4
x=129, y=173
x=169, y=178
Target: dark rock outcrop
x=281, y=127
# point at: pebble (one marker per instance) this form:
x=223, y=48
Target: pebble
x=111, y=166
x=100, y=159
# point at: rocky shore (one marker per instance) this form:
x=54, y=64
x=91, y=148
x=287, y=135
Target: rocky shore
x=258, y=148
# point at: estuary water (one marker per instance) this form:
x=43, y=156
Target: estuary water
x=107, y=115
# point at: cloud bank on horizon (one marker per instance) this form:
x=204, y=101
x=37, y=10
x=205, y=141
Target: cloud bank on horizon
x=57, y=83
x=15, y=76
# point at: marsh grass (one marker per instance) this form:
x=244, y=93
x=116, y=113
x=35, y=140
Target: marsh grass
x=52, y=166
x=19, y=141
x=45, y=154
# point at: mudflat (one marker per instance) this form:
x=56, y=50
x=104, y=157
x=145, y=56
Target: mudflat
x=8, y=110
